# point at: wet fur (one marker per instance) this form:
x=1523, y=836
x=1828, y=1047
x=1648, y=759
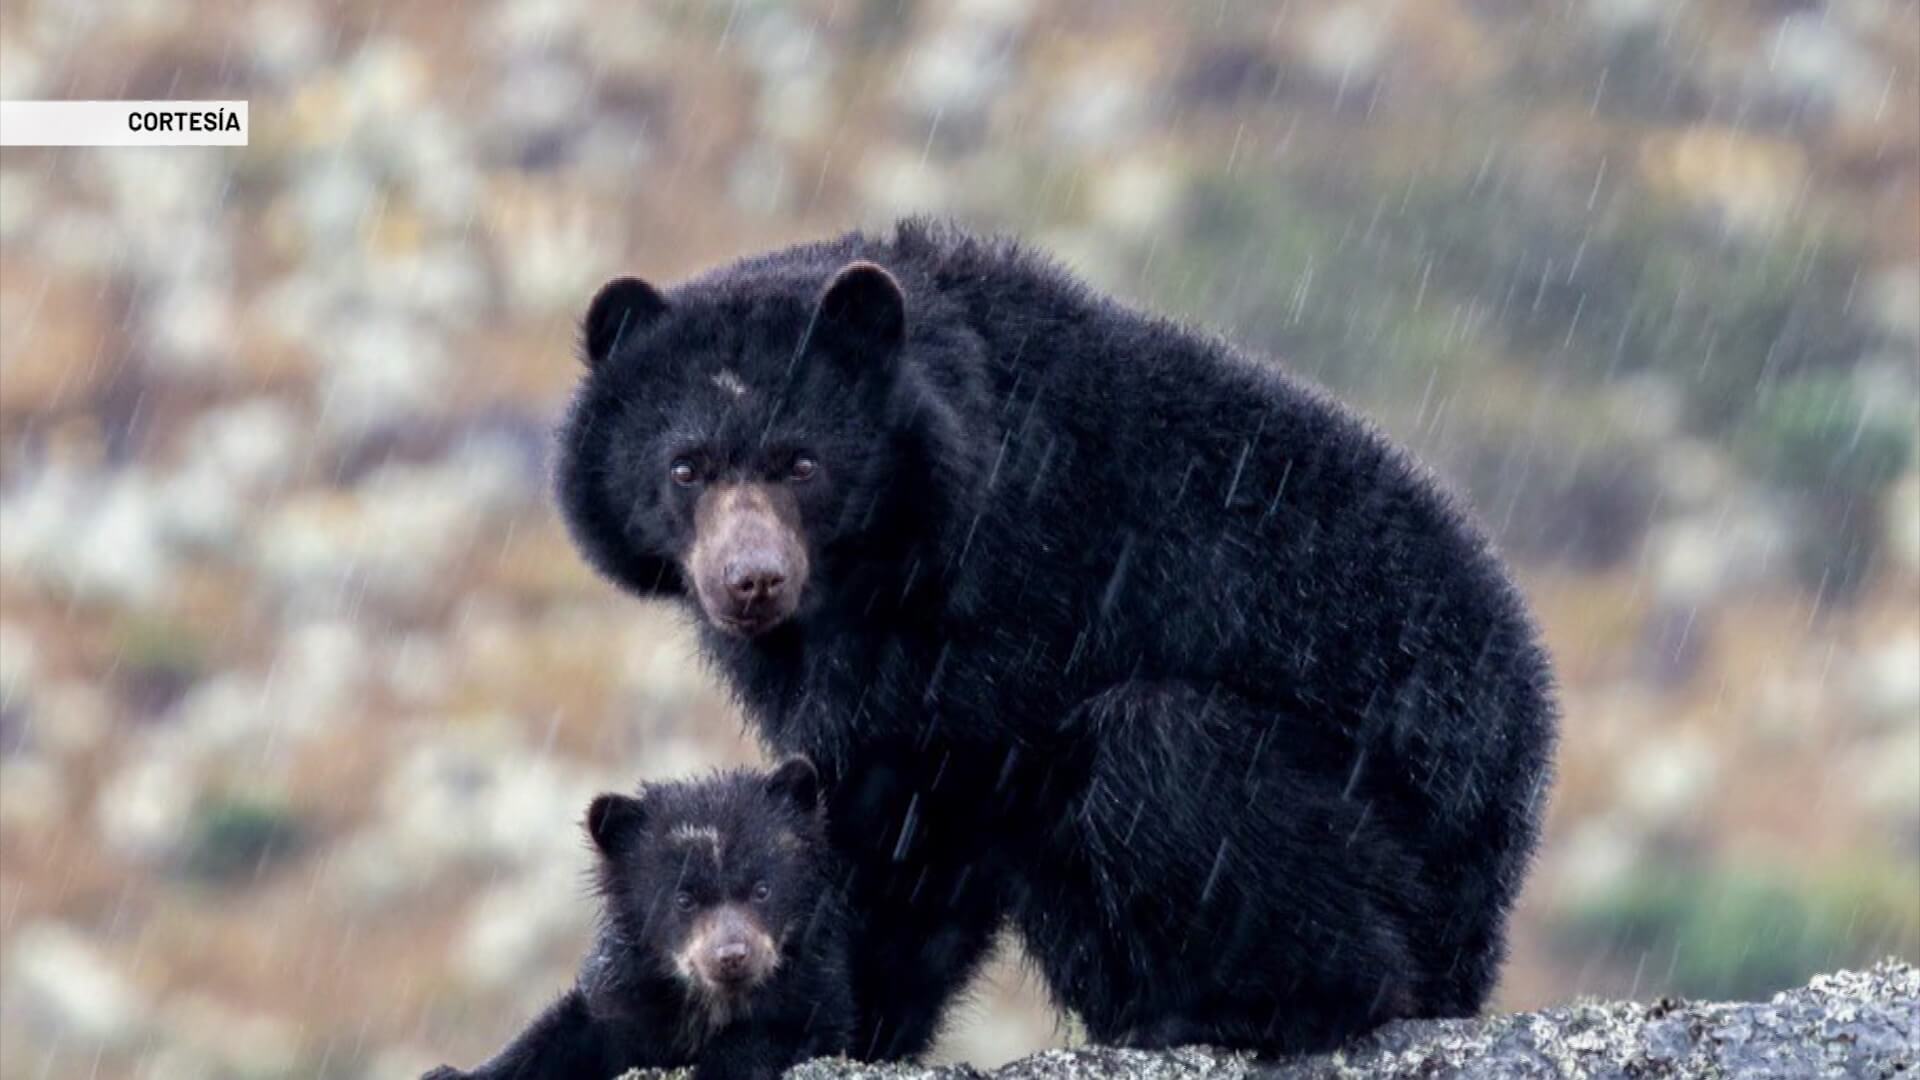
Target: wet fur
x=1114, y=635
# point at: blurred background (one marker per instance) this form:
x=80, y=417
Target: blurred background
x=302, y=691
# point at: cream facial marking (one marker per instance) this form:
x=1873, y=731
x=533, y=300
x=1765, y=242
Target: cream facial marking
x=729, y=382
x=754, y=955
x=694, y=834
x=690, y=835
x=760, y=526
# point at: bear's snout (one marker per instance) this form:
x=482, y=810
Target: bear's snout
x=749, y=561
x=756, y=578
x=731, y=950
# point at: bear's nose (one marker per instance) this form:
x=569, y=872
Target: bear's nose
x=730, y=959
x=754, y=581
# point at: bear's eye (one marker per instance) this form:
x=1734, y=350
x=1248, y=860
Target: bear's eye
x=803, y=468
x=683, y=901
x=762, y=890
x=683, y=472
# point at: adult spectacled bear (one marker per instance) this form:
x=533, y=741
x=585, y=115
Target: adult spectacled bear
x=1097, y=628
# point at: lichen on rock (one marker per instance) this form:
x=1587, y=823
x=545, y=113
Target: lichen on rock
x=1848, y=1024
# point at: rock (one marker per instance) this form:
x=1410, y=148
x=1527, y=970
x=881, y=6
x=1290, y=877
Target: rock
x=1619, y=18
x=407, y=1059
x=58, y=338
x=1892, y=305
x=1664, y=783
x=327, y=203
x=1648, y=404
x=1746, y=182
x=478, y=792
x=1345, y=45
x=955, y=73
x=537, y=25
x=1816, y=58
x=393, y=536
x=1100, y=104
x=1597, y=858
x=1903, y=522
x=154, y=185
x=200, y=511
x=1885, y=681
x=66, y=983
x=1849, y=1024
x=24, y=74
x=19, y=664
x=1884, y=772
x=23, y=199
x=381, y=373
x=519, y=922
x=85, y=717
x=80, y=241
x=418, y=671
x=1137, y=196
x=189, y=330
x=475, y=794
x=251, y=445
x=234, y=1040
x=142, y=811
x=1700, y=556
x=551, y=248
x=759, y=182
x=285, y=39
x=536, y=108
x=796, y=69
x=99, y=534
x=33, y=793
x=317, y=677
x=894, y=181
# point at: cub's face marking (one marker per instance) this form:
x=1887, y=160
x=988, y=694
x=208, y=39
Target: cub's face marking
x=698, y=836
x=729, y=383
x=727, y=953
x=694, y=834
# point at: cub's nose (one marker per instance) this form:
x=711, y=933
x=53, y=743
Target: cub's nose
x=752, y=582
x=730, y=960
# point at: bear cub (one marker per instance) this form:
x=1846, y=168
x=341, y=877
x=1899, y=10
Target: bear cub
x=722, y=943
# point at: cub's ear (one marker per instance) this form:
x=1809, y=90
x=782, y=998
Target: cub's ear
x=863, y=310
x=621, y=307
x=797, y=782
x=614, y=821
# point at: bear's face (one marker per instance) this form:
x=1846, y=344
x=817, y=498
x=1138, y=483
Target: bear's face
x=711, y=881
x=727, y=446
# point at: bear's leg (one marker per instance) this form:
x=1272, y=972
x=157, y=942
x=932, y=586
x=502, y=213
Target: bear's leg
x=1221, y=878
x=927, y=888
x=921, y=933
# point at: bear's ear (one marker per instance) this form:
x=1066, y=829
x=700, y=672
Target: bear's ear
x=621, y=307
x=863, y=310
x=613, y=821
x=796, y=782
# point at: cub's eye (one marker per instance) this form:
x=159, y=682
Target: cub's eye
x=683, y=901
x=683, y=472
x=762, y=890
x=803, y=468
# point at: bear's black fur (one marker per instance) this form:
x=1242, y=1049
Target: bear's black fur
x=722, y=942
x=1097, y=627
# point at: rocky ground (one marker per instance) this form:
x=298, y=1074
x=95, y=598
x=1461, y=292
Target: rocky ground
x=1852, y=1024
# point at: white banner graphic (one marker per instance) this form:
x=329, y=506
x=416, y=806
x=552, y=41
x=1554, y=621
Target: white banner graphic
x=123, y=123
